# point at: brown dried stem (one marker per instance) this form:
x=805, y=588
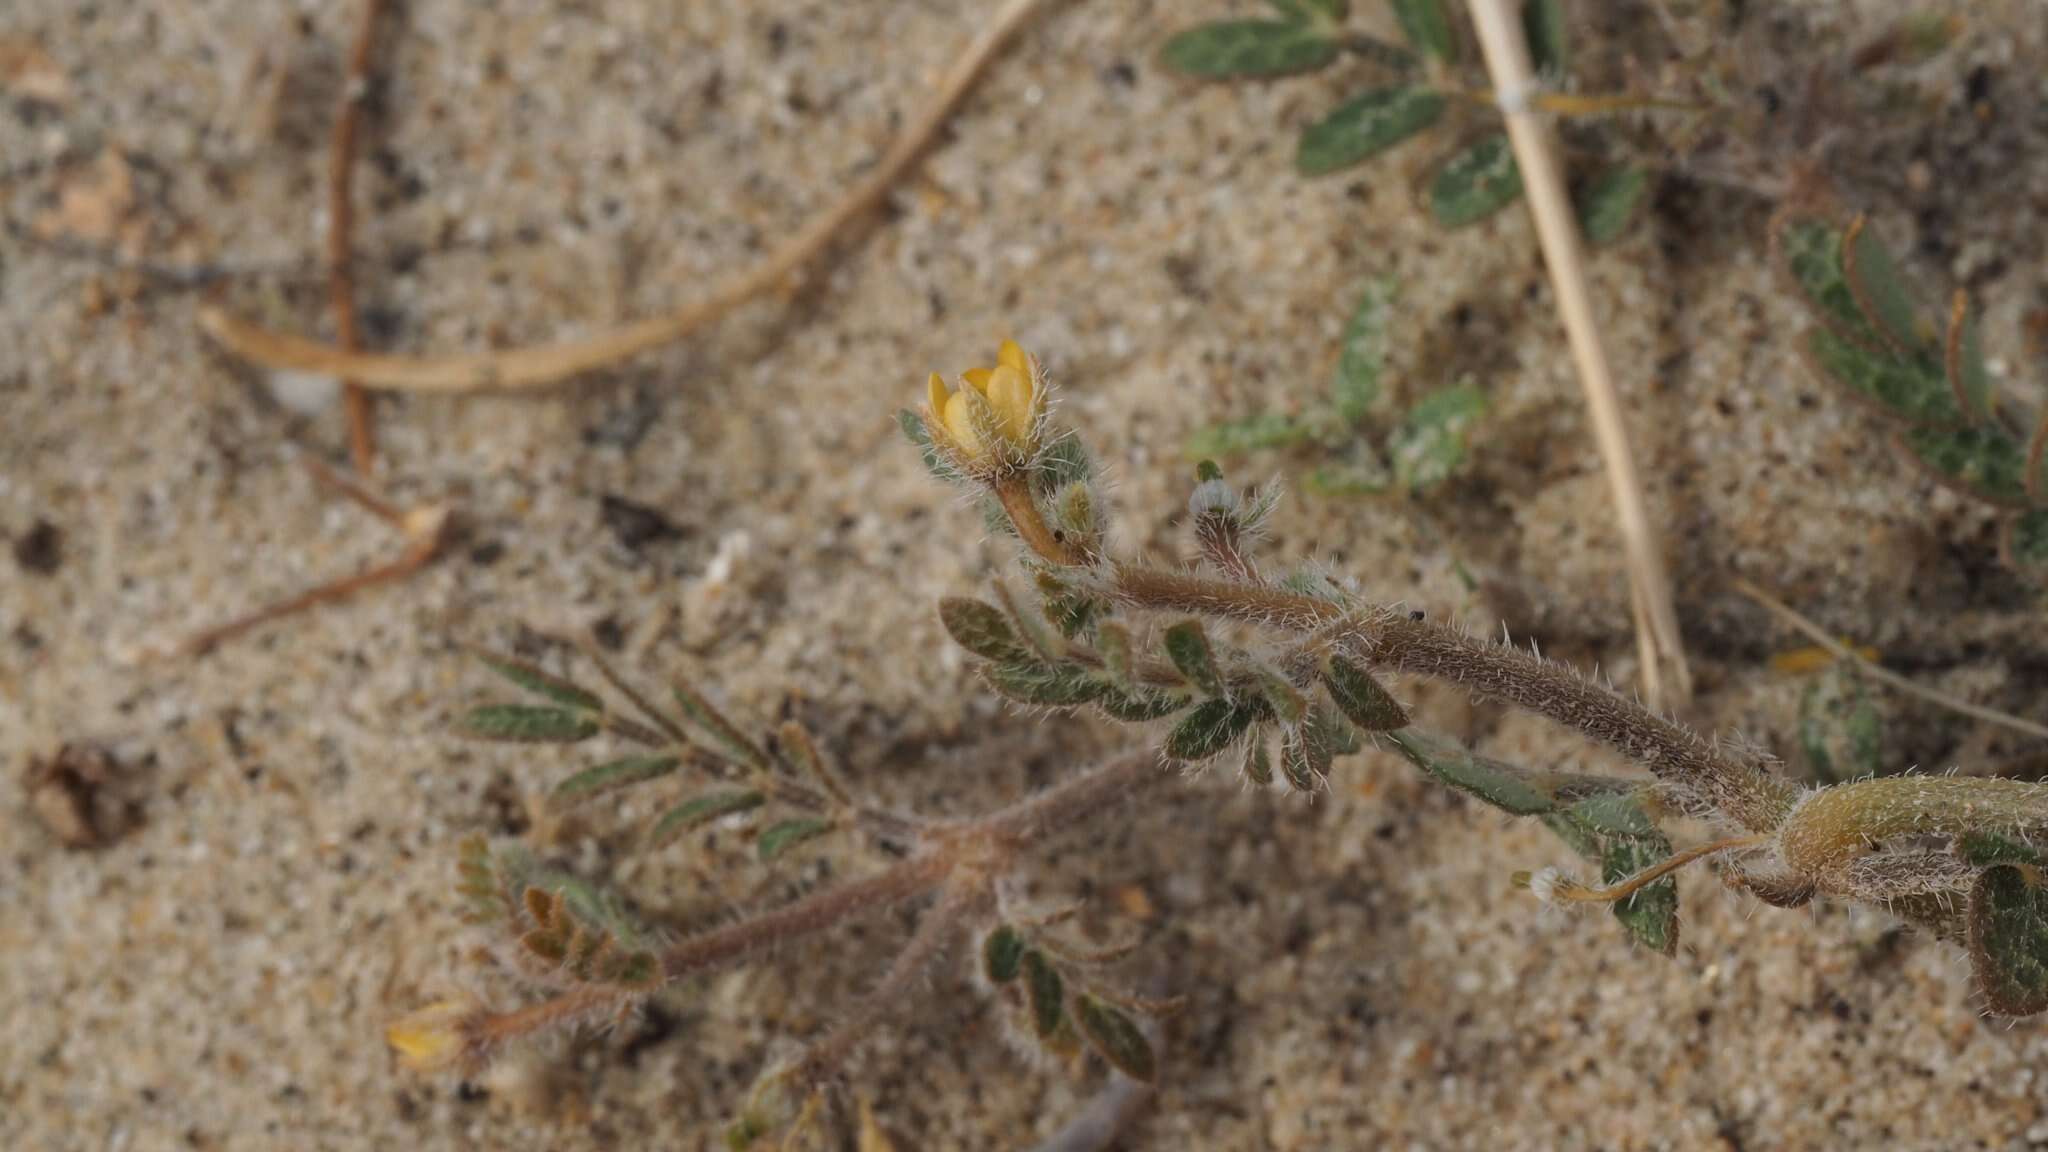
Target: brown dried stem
x=1658, y=640
x=341, y=285
x=539, y=366
x=425, y=530
x=1879, y=672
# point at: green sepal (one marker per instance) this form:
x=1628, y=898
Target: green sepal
x=914, y=430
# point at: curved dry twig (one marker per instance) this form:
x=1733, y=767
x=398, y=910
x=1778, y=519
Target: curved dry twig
x=539, y=366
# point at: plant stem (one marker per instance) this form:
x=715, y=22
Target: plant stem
x=1740, y=790
x=522, y=369
x=341, y=283
x=1658, y=640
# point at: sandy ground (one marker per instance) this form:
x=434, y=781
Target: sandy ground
x=1360, y=972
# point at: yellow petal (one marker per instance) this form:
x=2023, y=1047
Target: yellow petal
x=936, y=391
x=429, y=1038
x=960, y=424
x=978, y=377
x=1014, y=357
x=1009, y=394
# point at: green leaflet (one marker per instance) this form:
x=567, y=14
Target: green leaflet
x=1615, y=830
x=1548, y=33
x=1475, y=182
x=2008, y=933
x=1187, y=645
x=1427, y=26
x=542, y=683
x=1910, y=390
x=1116, y=1037
x=1361, y=698
x=1249, y=48
x=777, y=839
x=529, y=724
x=1879, y=287
x=1253, y=434
x=701, y=810
x=1213, y=726
x=1002, y=953
x=1840, y=728
x=1607, y=204
x=1430, y=443
x=1364, y=126
x=2025, y=541
x=1983, y=461
x=982, y=629
x=1811, y=252
x=615, y=774
x=1364, y=354
x=1046, y=991
x=1048, y=685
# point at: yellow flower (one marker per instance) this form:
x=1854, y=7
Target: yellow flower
x=431, y=1038
x=1003, y=401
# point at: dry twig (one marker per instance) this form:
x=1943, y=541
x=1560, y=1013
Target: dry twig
x=425, y=530
x=1657, y=636
x=341, y=281
x=519, y=369
x=1879, y=672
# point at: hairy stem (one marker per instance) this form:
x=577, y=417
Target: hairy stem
x=811, y=914
x=1836, y=825
x=1742, y=791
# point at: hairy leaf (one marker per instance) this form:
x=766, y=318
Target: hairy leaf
x=1615, y=829
x=1305, y=758
x=1357, y=386
x=1982, y=461
x=920, y=437
x=2024, y=543
x=529, y=724
x=726, y=735
x=1331, y=10
x=1987, y=848
x=777, y=839
x=542, y=683
x=1047, y=992
x=2008, y=930
x=1002, y=953
x=1116, y=1037
x=1880, y=289
x=982, y=629
x=1361, y=698
x=613, y=775
x=1607, y=204
x=1139, y=704
x=1811, y=253
x=1258, y=763
x=1548, y=32
x=1475, y=182
x=1364, y=126
x=1430, y=443
x=1840, y=728
x=702, y=810
x=1518, y=791
x=1910, y=390
x=1249, y=48
x=1187, y=645
x=1048, y=685
x=1427, y=26
x=1213, y=726
x=1969, y=378
x=1256, y=433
